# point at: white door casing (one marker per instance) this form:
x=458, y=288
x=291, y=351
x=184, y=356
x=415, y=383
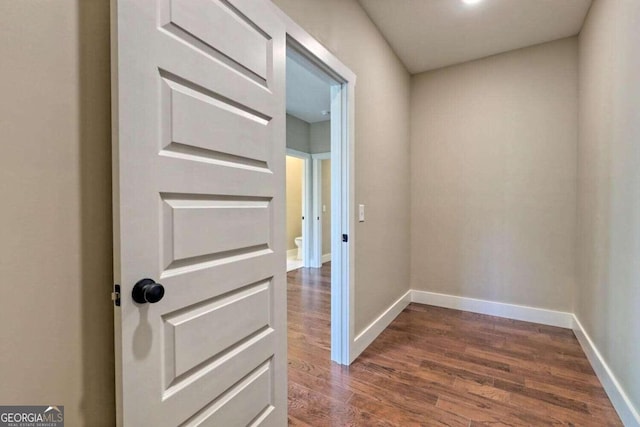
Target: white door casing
x=318, y=214
x=342, y=183
x=199, y=150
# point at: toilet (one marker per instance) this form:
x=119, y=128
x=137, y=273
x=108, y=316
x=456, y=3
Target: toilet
x=298, y=241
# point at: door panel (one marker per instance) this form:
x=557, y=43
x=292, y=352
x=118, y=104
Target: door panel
x=199, y=143
x=197, y=227
x=248, y=403
x=212, y=128
x=244, y=43
x=189, y=340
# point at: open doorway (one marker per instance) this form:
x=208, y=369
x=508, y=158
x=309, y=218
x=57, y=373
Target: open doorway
x=308, y=173
x=298, y=208
x=318, y=197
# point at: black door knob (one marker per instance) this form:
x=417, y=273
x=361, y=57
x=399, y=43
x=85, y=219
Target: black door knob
x=147, y=290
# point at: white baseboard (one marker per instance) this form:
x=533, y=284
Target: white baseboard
x=510, y=311
x=326, y=257
x=292, y=252
x=621, y=402
x=371, y=332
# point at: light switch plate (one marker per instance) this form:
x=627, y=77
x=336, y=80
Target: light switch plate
x=361, y=213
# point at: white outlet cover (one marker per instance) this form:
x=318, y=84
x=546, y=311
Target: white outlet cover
x=361, y=213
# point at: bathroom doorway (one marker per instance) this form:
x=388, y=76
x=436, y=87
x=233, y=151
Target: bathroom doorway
x=321, y=204
x=308, y=203
x=298, y=207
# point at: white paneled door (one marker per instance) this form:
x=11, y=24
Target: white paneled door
x=199, y=151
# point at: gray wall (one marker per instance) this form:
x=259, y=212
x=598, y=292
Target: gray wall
x=382, y=147
x=608, y=287
x=55, y=222
x=308, y=137
x=493, y=191
x=298, y=134
x=320, y=137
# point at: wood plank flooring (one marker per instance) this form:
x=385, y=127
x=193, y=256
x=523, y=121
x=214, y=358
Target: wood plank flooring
x=436, y=366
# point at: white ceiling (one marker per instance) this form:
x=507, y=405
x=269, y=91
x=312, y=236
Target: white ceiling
x=308, y=90
x=429, y=34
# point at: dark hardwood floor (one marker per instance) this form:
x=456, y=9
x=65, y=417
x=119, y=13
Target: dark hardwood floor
x=436, y=366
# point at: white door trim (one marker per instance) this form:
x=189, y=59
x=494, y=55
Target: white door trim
x=343, y=254
x=318, y=256
x=297, y=153
x=342, y=174
x=316, y=223
x=307, y=205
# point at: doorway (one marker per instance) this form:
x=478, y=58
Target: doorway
x=318, y=125
x=321, y=182
x=298, y=208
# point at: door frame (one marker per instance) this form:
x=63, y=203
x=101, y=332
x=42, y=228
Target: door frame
x=307, y=205
x=342, y=184
x=318, y=256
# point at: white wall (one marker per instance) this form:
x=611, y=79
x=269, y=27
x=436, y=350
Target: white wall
x=56, y=344
x=493, y=190
x=608, y=286
x=382, y=147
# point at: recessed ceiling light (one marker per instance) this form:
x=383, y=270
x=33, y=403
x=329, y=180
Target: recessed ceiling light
x=471, y=1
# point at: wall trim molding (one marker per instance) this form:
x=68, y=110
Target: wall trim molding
x=619, y=399
x=511, y=311
x=326, y=257
x=375, y=328
x=321, y=156
x=292, y=252
x=297, y=153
